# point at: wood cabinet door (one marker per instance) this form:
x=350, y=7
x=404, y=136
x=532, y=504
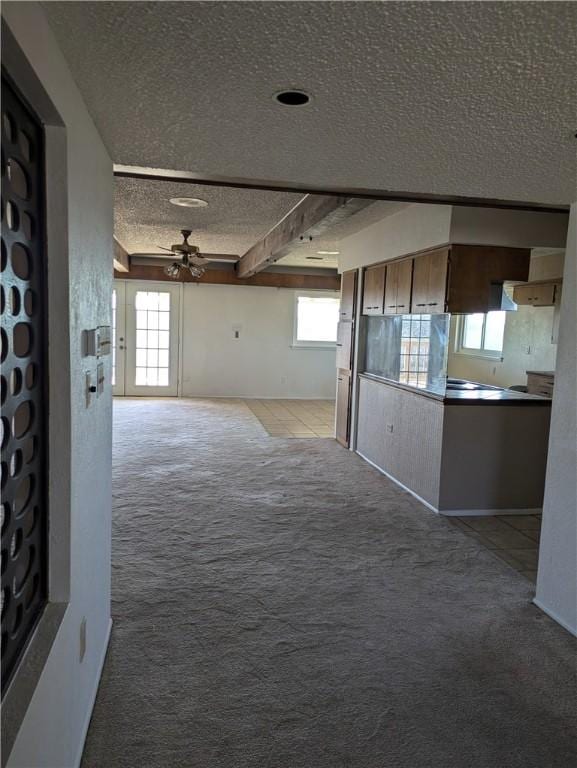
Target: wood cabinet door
x=374, y=291
x=421, y=281
x=391, y=283
x=544, y=295
x=437, y=293
x=344, y=345
x=535, y=295
x=348, y=294
x=342, y=408
x=404, y=285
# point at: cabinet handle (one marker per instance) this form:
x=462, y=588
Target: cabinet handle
x=339, y=345
x=432, y=304
x=392, y=306
x=339, y=378
x=421, y=305
x=400, y=306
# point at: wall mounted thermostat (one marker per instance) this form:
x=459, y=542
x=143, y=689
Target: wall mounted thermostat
x=97, y=341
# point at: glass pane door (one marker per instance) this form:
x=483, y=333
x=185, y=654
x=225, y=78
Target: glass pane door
x=152, y=315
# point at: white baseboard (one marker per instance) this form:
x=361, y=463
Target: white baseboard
x=397, y=482
x=88, y=717
x=489, y=512
x=453, y=512
x=555, y=617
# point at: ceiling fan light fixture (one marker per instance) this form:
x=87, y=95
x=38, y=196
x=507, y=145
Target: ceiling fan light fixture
x=189, y=202
x=172, y=270
x=196, y=271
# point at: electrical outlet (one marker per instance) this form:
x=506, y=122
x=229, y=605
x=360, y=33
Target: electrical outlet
x=390, y=428
x=82, y=650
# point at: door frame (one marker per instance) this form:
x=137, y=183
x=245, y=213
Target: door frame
x=129, y=290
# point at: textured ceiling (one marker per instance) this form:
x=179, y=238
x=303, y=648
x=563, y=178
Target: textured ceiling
x=233, y=221
x=462, y=98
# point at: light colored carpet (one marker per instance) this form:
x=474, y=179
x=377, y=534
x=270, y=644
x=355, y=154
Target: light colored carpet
x=280, y=604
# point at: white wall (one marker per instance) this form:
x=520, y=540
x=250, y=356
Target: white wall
x=527, y=346
x=417, y=227
x=517, y=229
x=262, y=362
x=411, y=229
x=79, y=276
x=557, y=574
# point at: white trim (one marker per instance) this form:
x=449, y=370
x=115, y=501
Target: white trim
x=489, y=512
x=311, y=344
x=88, y=718
x=404, y=487
x=555, y=617
x=481, y=353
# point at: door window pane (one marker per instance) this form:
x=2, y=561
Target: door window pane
x=152, y=345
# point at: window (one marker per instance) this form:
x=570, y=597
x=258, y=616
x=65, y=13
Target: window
x=152, y=338
x=316, y=320
x=415, y=347
x=481, y=334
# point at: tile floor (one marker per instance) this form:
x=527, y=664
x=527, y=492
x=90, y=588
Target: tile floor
x=512, y=538
x=295, y=418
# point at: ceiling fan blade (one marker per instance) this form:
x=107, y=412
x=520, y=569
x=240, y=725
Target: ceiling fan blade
x=164, y=249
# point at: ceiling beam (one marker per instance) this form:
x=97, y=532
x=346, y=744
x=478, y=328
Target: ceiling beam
x=310, y=218
x=329, y=282
x=120, y=258
x=395, y=196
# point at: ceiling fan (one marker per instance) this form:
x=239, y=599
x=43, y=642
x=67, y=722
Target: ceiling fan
x=190, y=258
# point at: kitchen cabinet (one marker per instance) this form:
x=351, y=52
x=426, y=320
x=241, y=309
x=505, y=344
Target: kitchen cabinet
x=398, y=284
x=430, y=282
x=343, y=408
x=477, y=274
x=344, y=345
x=540, y=383
x=348, y=294
x=535, y=294
x=374, y=290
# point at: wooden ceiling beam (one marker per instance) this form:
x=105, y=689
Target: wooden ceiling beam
x=120, y=258
x=311, y=217
x=330, y=282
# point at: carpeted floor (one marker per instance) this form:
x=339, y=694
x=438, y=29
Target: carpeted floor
x=278, y=603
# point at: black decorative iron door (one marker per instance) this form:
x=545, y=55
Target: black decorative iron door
x=23, y=377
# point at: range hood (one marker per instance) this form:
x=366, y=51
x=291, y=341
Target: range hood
x=499, y=299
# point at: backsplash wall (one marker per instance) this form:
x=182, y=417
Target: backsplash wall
x=527, y=346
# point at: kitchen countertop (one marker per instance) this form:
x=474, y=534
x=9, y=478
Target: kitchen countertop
x=489, y=396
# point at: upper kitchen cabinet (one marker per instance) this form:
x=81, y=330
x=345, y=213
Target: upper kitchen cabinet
x=477, y=274
x=374, y=290
x=430, y=282
x=398, y=286
x=348, y=294
x=536, y=294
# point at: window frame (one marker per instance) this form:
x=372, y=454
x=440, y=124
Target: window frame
x=296, y=343
x=484, y=354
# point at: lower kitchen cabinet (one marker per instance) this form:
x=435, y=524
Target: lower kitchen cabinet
x=402, y=434
x=460, y=459
x=342, y=407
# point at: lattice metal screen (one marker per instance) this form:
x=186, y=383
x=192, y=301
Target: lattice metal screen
x=24, y=497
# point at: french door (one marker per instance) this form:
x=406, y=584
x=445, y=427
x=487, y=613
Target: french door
x=145, y=322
